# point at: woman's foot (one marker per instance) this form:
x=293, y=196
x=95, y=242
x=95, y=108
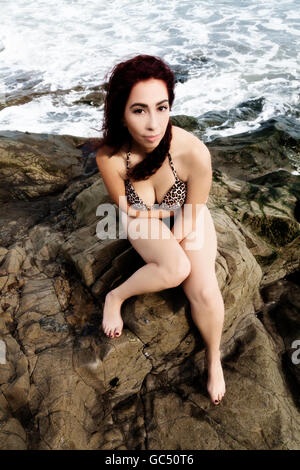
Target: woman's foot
x=112, y=323
x=215, y=383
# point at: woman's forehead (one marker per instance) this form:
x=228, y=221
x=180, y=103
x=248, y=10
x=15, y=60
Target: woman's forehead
x=152, y=90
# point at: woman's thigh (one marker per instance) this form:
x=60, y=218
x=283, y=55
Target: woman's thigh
x=201, y=249
x=153, y=240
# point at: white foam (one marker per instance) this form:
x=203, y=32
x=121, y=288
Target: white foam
x=230, y=53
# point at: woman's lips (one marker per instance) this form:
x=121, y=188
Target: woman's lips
x=151, y=139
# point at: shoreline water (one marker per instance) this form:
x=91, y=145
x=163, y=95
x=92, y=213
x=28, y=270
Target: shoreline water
x=235, y=64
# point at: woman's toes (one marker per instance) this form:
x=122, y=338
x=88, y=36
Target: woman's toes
x=221, y=397
x=217, y=399
x=111, y=332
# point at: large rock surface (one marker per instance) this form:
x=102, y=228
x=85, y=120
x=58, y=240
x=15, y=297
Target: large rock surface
x=65, y=385
x=33, y=165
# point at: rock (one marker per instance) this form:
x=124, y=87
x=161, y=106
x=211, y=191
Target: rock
x=245, y=111
x=14, y=377
x=94, y=98
x=34, y=165
x=266, y=216
x=63, y=405
x=65, y=385
x=251, y=155
x=189, y=123
x=12, y=434
x=280, y=316
x=251, y=415
x=28, y=92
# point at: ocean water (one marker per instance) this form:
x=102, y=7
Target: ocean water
x=223, y=53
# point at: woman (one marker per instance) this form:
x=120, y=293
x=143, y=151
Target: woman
x=171, y=171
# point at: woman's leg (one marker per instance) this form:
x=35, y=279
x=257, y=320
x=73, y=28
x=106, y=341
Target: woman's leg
x=167, y=266
x=207, y=306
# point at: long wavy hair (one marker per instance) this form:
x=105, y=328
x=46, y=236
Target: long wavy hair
x=122, y=78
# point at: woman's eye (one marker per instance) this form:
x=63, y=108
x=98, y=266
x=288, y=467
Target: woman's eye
x=138, y=111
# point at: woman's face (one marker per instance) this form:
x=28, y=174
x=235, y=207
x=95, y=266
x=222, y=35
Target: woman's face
x=147, y=113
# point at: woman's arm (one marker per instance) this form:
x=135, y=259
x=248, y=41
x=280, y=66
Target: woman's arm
x=109, y=170
x=151, y=214
x=198, y=188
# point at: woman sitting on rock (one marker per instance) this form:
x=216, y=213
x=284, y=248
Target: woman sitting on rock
x=172, y=175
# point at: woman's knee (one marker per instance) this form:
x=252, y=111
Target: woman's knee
x=204, y=293
x=177, y=272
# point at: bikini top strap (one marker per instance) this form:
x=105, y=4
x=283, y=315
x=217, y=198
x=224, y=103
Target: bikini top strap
x=127, y=160
x=172, y=166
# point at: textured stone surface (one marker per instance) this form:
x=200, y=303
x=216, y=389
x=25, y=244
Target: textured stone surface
x=65, y=385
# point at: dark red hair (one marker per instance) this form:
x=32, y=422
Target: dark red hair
x=122, y=78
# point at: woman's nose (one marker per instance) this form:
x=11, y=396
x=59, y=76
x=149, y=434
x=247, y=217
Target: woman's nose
x=152, y=122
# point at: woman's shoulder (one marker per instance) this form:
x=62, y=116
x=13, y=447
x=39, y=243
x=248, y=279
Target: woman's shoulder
x=117, y=159
x=186, y=147
x=185, y=141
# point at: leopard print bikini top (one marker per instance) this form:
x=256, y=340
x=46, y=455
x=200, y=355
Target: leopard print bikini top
x=173, y=199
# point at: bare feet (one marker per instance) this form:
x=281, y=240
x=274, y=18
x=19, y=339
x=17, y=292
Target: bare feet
x=112, y=323
x=215, y=383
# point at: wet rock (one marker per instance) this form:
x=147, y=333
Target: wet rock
x=65, y=385
x=253, y=154
x=33, y=165
x=189, y=123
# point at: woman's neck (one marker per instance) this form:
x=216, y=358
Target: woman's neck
x=137, y=150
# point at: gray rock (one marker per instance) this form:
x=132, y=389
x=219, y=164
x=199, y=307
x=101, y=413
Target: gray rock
x=65, y=385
